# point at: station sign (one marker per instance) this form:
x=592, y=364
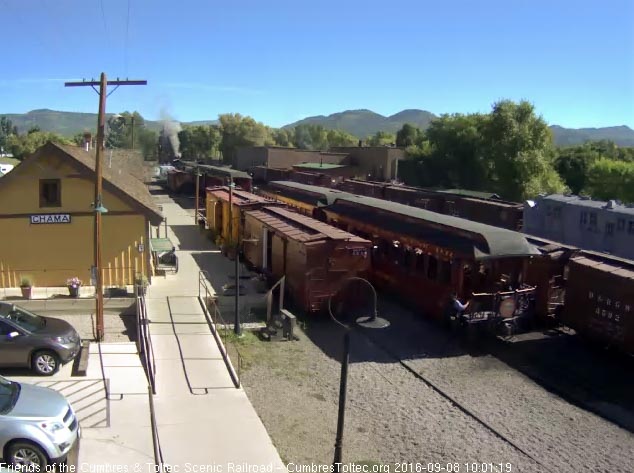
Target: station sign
x=49, y=218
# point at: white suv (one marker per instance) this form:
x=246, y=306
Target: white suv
x=37, y=426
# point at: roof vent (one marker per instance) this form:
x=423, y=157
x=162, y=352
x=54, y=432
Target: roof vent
x=611, y=204
x=584, y=197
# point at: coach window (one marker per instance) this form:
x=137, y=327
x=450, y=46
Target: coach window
x=408, y=255
x=420, y=262
x=630, y=228
x=620, y=224
x=50, y=193
x=432, y=268
x=609, y=228
x=444, y=272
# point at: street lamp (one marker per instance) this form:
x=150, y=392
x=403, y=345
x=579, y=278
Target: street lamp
x=372, y=321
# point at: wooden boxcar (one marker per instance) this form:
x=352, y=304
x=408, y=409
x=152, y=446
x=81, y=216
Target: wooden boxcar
x=180, y=181
x=480, y=207
x=423, y=256
x=315, y=257
x=599, y=301
x=304, y=198
x=225, y=219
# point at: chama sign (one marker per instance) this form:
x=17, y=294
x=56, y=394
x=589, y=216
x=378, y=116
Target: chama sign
x=50, y=218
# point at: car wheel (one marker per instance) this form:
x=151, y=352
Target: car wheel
x=28, y=456
x=45, y=363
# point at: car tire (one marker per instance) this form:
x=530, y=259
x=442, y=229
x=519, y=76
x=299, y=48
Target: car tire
x=45, y=362
x=27, y=455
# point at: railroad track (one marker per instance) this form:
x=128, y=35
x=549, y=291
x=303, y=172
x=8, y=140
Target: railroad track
x=454, y=402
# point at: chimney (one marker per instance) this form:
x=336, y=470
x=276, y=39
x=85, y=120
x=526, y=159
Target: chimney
x=87, y=141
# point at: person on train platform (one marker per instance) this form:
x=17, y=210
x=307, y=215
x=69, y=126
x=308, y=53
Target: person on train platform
x=455, y=309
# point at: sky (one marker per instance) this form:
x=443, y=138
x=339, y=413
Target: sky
x=282, y=60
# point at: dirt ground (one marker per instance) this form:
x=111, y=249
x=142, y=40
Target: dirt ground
x=118, y=328
x=468, y=409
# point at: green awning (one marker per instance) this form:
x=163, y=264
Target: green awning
x=161, y=244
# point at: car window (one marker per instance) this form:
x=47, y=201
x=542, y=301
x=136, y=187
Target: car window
x=9, y=392
x=5, y=308
x=5, y=328
x=26, y=320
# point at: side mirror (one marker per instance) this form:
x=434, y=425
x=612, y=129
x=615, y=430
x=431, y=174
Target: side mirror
x=13, y=335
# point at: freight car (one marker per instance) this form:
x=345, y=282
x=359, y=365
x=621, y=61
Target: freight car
x=304, y=198
x=183, y=179
x=225, y=209
x=599, y=300
x=314, y=257
x=480, y=207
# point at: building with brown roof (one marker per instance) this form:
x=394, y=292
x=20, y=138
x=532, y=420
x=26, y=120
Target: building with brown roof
x=47, y=219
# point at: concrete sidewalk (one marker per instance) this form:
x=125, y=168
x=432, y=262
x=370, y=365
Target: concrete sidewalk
x=111, y=403
x=202, y=418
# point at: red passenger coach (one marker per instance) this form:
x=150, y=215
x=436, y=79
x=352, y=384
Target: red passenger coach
x=423, y=256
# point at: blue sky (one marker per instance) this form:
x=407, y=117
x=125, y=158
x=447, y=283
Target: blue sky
x=282, y=60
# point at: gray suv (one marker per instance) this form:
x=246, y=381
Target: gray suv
x=30, y=340
x=37, y=426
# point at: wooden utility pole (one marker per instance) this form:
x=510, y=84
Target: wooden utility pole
x=197, y=192
x=98, y=203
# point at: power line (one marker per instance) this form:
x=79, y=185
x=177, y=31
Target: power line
x=103, y=16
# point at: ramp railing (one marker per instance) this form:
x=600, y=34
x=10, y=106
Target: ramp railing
x=223, y=332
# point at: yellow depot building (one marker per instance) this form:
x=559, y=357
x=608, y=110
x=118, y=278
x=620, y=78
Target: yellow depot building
x=47, y=221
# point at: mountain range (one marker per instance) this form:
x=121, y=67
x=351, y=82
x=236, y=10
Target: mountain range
x=360, y=123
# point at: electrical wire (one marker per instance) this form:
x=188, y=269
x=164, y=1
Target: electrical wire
x=103, y=17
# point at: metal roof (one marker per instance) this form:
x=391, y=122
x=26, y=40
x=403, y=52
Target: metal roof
x=319, y=166
x=583, y=202
x=215, y=170
x=469, y=193
x=300, y=227
x=240, y=197
x=500, y=242
x=618, y=270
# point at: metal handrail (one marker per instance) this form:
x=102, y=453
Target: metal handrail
x=219, y=325
x=144, y=341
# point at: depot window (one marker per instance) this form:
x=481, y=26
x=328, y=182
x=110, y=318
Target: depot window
x=50, y=193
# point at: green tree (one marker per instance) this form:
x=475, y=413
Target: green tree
x=23, y=145
x=7, y=129
x=572, y=164
x=199, y=142
x=408, y=135
x=237, y=131
x=148, y=144
x=282, y=137
x=518, y=144
x=611, y=179
x=455, y=152
x=123, y=130
x=339, y=138
x=381, y=138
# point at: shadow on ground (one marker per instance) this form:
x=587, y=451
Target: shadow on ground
x=192, y=238
x=586, y=375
